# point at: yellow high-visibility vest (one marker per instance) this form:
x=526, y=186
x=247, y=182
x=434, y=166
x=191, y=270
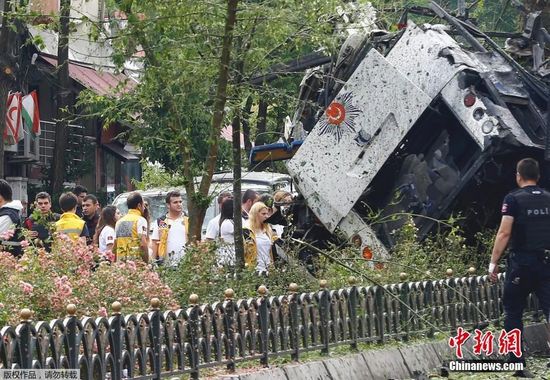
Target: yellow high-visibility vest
x=127, y=239
x=70, y=224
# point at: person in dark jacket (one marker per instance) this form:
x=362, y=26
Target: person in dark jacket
x=80, y=192
x=10, y=220
x=41, y=223
x=91, y=211
x=525, y=231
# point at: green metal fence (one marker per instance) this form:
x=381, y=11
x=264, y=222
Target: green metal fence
x=159, y=343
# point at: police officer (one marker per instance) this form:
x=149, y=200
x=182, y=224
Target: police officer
x=525, y=228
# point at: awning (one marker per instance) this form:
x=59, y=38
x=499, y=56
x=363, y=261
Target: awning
x=101, y=82
x=119, y=151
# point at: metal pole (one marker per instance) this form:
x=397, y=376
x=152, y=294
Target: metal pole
x=461, y=8
x=456, y=24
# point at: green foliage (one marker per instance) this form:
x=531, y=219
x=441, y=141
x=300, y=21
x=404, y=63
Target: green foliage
x=154, y=176
x=199, y=273
x=172, y=107
x=419, y=260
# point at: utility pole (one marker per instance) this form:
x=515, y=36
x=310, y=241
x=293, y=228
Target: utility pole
x=7, y=71
x=63, y=100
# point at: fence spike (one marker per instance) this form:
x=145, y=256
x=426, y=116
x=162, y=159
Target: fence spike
x=117, y=308
x=71, y=310
x=229, y=294
x=293, y=287
x=262, y=290
x=193, y=299
x=25, y=315
x=155, y=303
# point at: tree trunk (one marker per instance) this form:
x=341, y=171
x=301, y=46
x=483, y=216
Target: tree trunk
x=63, y=101
x=261, y=126
x=6, y=78
x=237, y=211
x=217, y=119
x=5, y=87
x=246, y=125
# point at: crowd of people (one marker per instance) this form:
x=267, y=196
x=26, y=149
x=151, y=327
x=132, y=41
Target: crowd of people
x=134, y=236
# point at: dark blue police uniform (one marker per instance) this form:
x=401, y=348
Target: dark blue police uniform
x=529, y=259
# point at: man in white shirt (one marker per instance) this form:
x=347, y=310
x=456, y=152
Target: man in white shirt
x=170, y=232
x=249, y=198
x=10, y=220
x=213, y=227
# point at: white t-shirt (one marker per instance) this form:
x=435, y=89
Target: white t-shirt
x=142, y=227
x=226, y=251
x=227, y=231
x=177, y=237
x=278, y=228
x=106, y=237
x=263, y=246
x=213, y=228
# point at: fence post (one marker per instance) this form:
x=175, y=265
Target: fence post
x=25, y=339
x=379, y=306
x=474, y=299
x=451, y=290
x=324, y=313
x=294, y=322
x=429, y=305
x=194, y=321
x=71, y=334
x=155, y=322
x=264, y=324
x=229, y=311
x=404, y=305
x=353, y=296
x=116, y=338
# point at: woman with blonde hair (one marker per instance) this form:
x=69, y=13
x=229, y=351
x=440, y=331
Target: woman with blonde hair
x=258, y=239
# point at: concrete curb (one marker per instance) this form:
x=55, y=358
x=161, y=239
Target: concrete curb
x=389, y=363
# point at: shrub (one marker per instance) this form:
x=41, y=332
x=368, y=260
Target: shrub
x=75, y=273
x=198, y=273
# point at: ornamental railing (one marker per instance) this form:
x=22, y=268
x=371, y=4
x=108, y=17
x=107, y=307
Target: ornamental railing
x=158, y=344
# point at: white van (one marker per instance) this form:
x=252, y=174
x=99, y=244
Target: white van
x=262, y=182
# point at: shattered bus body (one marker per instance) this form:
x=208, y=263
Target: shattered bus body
x=415, y=124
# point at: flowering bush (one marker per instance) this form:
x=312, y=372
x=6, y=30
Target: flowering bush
x=75, y=273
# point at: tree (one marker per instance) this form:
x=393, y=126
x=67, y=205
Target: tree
x=195, y=76
x=63, y=100
x=9, y=63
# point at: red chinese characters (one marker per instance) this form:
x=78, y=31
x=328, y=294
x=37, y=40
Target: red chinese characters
x=457, y=341
x=483, y=343
x=510, y=342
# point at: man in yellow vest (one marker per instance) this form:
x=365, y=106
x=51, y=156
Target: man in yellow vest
x=69, y=223
x=131, y=231
x=170, y=232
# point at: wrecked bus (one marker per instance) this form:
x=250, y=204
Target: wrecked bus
x=422, y=123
